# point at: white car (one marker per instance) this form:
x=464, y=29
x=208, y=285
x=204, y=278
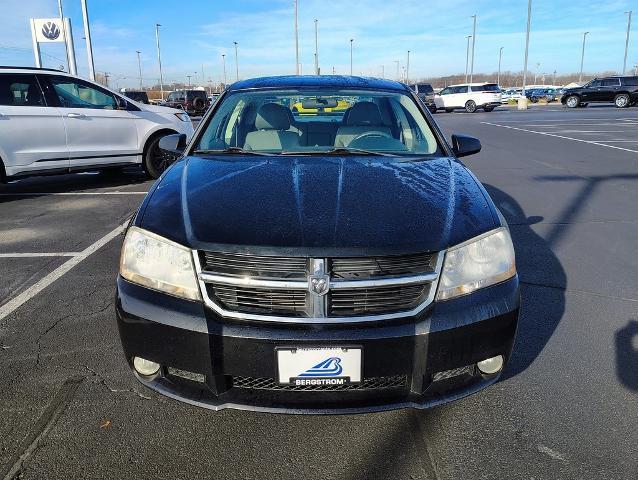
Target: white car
x=470, y=96
x=52, y=122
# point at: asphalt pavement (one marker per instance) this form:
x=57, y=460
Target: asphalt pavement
x=567, y=407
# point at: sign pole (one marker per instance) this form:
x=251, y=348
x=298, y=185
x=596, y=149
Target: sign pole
x=87, y=36
x=68, y=38
x=36, y=46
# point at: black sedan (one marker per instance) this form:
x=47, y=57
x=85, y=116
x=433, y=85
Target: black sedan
x=344, y=261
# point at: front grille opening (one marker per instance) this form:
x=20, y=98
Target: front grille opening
x=256, y=266
x=259, y=300
x=358, y=268
x=372, y=383
x=377, y=300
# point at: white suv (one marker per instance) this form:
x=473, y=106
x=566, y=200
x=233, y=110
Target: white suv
x=52, y=122
x=470, y=96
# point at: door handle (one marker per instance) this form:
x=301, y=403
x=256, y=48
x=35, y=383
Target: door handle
x=76, y=115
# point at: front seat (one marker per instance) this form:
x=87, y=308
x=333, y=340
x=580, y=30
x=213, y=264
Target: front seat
x=272, y=123
x=363, y=117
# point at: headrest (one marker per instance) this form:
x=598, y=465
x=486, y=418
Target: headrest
x=272, y=116
x=364, y=113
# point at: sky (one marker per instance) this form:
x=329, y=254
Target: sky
x=195, y=33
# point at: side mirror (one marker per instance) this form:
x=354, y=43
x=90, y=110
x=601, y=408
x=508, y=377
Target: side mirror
x=463, y=145
x=174, y=143
x=121, y=103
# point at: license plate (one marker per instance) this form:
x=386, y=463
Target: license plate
x=319, y=365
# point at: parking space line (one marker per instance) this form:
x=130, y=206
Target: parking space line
x=38, y=254
x=27, y=194
x=591, y=142
x=51, y=277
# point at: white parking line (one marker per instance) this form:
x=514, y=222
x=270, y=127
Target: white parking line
x=36, y=254
x=26, y=194
x=591, y=142
x=48, y=279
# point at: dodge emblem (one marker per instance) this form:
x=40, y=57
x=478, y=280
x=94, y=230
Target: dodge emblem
x=319, y=284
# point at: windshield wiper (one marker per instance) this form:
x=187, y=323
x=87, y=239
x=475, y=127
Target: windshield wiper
x=343, y=151
x=232, y=150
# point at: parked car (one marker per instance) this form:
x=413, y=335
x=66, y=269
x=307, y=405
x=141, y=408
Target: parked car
x=511, y=94
x=426, y=93
x=622, y=91
x=537, y=94
x=193, y=102
x=304, y=264
x=471, y=97
x=52, y=122
x=137, y=95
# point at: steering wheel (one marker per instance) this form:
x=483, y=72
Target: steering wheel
x=372, y=134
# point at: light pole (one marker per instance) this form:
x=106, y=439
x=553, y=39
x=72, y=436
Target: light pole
x=203, y=77
x=316, y=47
x=529, y=24
x=296, y=41
x=467, y=56
x=224, y=65
x=189, y=80
x=87, y=37
x=139, y=66
x=407, y=69
x=624, y=63
x=382, y=71
x=500, y=55
x=159, y=59
x=236, y=63
x=351, y=40
x=582, y=58
x=538, y=65
x=473, y=42
x=554, y=79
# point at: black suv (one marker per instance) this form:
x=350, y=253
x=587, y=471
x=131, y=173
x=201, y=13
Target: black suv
x=623, y=91
x=193, y=102
x=426, y=93
x=325, y=262
x=137, y=95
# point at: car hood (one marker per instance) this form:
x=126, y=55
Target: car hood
x=317, y=205
x=159, y=109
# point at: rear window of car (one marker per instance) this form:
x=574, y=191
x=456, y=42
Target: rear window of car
x=490, y=87
x=633, y=81
x=20, y=90
x=197, y=93
x=611, y=82
x=425, y=88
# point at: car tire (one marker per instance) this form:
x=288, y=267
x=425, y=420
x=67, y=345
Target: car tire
x=449, y=110
x=198, y=103
x=155, y=160
x=572, y=101
x=432, y=109
x=488, y=109
x=622, y=100
x=470, y=106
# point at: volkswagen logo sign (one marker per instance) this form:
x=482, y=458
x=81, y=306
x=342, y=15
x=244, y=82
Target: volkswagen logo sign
x=51, y=31
x=319, y=284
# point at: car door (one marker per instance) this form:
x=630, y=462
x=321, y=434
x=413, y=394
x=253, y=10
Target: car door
x=447, y=95
x=608, y=89
x=460, y=96
x=32, y=133
x=98, y=133
x=590, y=91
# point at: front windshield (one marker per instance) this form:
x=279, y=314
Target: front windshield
x=316, y=121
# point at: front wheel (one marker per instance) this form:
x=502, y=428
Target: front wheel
x=622, y=100
x=155, y=159
x=432, y=109
x=572, y=101
x=470, y=106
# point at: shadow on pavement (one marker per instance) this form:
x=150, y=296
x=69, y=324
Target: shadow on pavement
x=627, y=355
x=541, y=308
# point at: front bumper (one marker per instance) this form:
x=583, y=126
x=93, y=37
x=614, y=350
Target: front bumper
x=217, y=363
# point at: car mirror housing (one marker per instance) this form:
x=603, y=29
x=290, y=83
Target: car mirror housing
x=464, y=145
x=122, y=104
x=174, y=143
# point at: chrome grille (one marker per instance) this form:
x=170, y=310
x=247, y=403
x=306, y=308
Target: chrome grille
x=366, y=301
x=317, y=290
x=372, y=383
x=370, y=267
x=260, y=300
x=254, y=265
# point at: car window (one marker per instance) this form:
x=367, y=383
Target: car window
x=632, y=81
x=460, y=89
x=445, y=91
x=425, y=88
x=611, y=82
x=489, y=87
x=76, y=94
x=272, y=122
x=593, y=84
x=20, y=90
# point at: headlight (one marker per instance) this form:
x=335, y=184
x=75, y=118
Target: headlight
x=183, y=117
x=155, y=262
x=477, y=263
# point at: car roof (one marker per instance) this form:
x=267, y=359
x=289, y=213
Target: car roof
x=475, y=84
x=13, y=69
x=339, y=81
